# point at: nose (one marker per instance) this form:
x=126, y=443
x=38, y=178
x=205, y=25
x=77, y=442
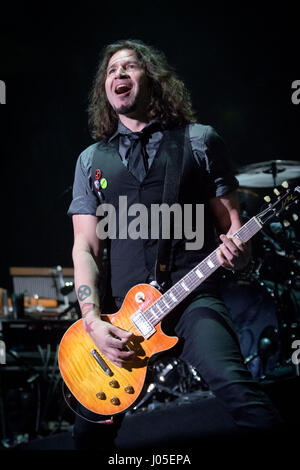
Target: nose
x=121, y=71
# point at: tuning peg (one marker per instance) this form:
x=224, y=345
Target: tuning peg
x=267, y=198
x=276, y=192
x=285, y=184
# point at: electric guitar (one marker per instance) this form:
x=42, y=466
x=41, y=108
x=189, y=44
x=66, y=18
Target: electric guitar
x=98, y=384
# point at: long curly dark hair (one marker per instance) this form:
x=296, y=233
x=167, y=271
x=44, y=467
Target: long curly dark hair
x=170, y=100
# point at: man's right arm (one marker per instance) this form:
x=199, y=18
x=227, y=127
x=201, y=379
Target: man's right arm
x=87, y=258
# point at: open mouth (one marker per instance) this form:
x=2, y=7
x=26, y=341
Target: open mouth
x=122, y=89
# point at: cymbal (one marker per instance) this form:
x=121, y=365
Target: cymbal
x=268, y=174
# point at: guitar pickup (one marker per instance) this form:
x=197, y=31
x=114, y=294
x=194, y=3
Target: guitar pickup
x=142, y=324
x=101, y=362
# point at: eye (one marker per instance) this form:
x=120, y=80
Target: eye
x=111, y=70
x=131, y=66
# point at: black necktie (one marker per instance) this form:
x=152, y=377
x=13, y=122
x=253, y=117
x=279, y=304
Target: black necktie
x=137, y=155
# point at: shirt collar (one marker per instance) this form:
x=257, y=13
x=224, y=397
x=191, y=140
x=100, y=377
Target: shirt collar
x=121, y=129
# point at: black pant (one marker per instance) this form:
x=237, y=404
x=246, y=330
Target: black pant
x=209, y=343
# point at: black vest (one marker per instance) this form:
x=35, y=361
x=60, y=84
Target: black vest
x=133, y=261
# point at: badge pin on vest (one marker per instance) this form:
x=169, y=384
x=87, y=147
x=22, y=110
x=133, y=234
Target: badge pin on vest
x=97, y=185
x=98, y=174
x=103, y=183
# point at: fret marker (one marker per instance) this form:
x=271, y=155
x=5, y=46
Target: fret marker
x=185, y=286
x=210, y=263
x=165, y=303
x=158, y=306
x=173, y=297
x=199, y=273
x=153, y=312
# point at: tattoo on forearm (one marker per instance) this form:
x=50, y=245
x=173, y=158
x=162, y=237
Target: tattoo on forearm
x=83, y=292
x=87, y=308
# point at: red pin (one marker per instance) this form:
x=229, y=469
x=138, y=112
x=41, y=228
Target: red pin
x=98, y=174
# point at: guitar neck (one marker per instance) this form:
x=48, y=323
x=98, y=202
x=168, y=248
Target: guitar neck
x=179, y=291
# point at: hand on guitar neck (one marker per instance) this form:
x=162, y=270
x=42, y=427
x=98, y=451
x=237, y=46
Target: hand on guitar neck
x=232, y=253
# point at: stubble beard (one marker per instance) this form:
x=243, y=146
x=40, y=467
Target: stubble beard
x=126, y=108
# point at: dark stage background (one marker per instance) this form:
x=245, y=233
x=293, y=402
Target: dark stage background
x=239, y=66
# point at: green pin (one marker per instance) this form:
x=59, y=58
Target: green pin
x=103, y=183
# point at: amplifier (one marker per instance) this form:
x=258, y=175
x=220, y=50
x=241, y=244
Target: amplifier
x=42, y=282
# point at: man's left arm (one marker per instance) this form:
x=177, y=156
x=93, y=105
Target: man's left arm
x=232, y=253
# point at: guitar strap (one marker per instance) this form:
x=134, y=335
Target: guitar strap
x=176, y=147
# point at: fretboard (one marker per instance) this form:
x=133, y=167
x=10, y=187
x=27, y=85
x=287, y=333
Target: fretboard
x=179, y=291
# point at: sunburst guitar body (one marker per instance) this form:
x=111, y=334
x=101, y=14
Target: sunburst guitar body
x=95, y=382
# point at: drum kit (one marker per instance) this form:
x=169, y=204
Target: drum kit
x=264, y=300
x=270, y=321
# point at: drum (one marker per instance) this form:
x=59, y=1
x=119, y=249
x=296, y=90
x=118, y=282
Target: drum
x=253, y=312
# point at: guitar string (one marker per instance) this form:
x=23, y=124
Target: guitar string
x=160, y=307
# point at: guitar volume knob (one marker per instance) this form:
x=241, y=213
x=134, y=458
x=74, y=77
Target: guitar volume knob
x=115, y=400
x=101, y=395
x=114, y=383
x=129, y=389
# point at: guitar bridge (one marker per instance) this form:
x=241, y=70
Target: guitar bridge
x=101, y=362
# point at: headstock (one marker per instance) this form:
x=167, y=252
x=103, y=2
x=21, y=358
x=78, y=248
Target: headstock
x=284, y=200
